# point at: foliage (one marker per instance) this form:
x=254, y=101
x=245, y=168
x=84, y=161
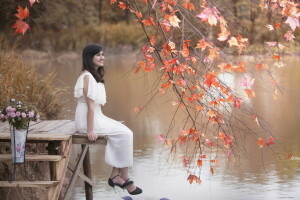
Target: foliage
x=18, y=114
x=19, y=79
x=190, y=50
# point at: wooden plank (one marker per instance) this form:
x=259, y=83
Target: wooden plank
x=29, y=157
x=68, y=128
x=31, y=184
x=5, y=137
x=47, y=126
x=63, y=166
x=86, y=179
x=75, y=174
x=83, y=139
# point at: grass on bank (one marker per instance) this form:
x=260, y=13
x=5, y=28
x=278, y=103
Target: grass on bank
x=19, y=80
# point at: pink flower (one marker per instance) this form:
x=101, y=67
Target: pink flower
x=8, y=108
x=2, y=116
x=18, y=114
x=31, y=114
x=23, y=115
x=12, y=114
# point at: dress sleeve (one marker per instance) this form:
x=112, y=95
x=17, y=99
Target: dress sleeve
x=92, y=88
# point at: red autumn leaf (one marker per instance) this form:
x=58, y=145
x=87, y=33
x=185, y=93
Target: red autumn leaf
x=189, y=6
x=250, y=93
x=161, y=138
x=152, y=40
x=213, y=53
x=181, y=82
x=212, y=170
x=21, y=27
x=22, y=13
x=270, y=141
x=199, y=107
x=202, y=156
x=276, y=56
x=122, y=5
x=261, y=142
x=113, y=1
x=137, y=109
x=185, y=161
x=240, y=67
x=237, y=103
x=202, y=44
x=225, y=67
x=193, y=178
x=261, y=66
x=210, y=78
x=277, y=25
x=139, y=14
x=221, y=135
x=199, y=163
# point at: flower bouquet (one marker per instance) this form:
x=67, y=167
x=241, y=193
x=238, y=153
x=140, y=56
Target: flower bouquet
x=18, y=114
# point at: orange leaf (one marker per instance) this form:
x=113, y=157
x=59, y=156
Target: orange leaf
x=193, y=178
x=202, y=44
x=276, y=56
x=152, y=40
x=21, y=27
x=225, y=67
x=122, y=5
x=137, y=108
x=250, y=93
x=212, y=170
x=261, y=142
x=202, y=156
x=210, y=78
x=261, y=66
x=139, y=14
x=199, y=107
x=213, y=53
x=113, y=1
x=240, y=67
x=224, y=33
x=277, y=25
x=199, y=163
x=22, y=13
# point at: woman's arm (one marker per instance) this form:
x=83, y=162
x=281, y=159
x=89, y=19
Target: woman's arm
x=90, y=113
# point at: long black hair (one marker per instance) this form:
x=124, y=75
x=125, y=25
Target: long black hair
x=87, y=61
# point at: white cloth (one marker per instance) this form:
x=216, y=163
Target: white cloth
x=119, y=148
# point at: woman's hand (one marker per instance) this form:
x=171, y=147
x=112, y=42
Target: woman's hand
x=92, y=136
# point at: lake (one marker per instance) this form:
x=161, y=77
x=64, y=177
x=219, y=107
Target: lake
x=247, y=179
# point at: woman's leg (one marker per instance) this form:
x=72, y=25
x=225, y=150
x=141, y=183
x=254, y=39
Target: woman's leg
x=125, y=177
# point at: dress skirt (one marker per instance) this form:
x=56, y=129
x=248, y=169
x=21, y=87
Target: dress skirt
x=119, y=148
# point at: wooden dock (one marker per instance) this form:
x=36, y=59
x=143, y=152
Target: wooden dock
x=60, y=136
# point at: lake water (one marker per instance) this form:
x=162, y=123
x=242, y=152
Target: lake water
x=247, y=179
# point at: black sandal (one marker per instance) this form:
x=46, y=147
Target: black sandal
x=136, y=191
x=112, y=184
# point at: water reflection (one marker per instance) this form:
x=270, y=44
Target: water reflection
x=240, y=179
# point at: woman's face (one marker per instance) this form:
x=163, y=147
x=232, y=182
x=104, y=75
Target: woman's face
x=98, y=59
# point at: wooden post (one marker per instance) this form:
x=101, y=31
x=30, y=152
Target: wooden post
x=88, y=173
x=53, y=149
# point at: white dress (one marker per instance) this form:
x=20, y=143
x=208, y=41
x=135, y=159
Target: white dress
x=119, y=148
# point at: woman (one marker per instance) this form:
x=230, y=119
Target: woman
x=89, y=119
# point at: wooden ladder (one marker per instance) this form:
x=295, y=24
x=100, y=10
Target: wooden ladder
x=59, y=150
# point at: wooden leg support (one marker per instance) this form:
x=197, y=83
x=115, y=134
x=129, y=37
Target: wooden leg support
x=84, y=160
x=87, y=172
